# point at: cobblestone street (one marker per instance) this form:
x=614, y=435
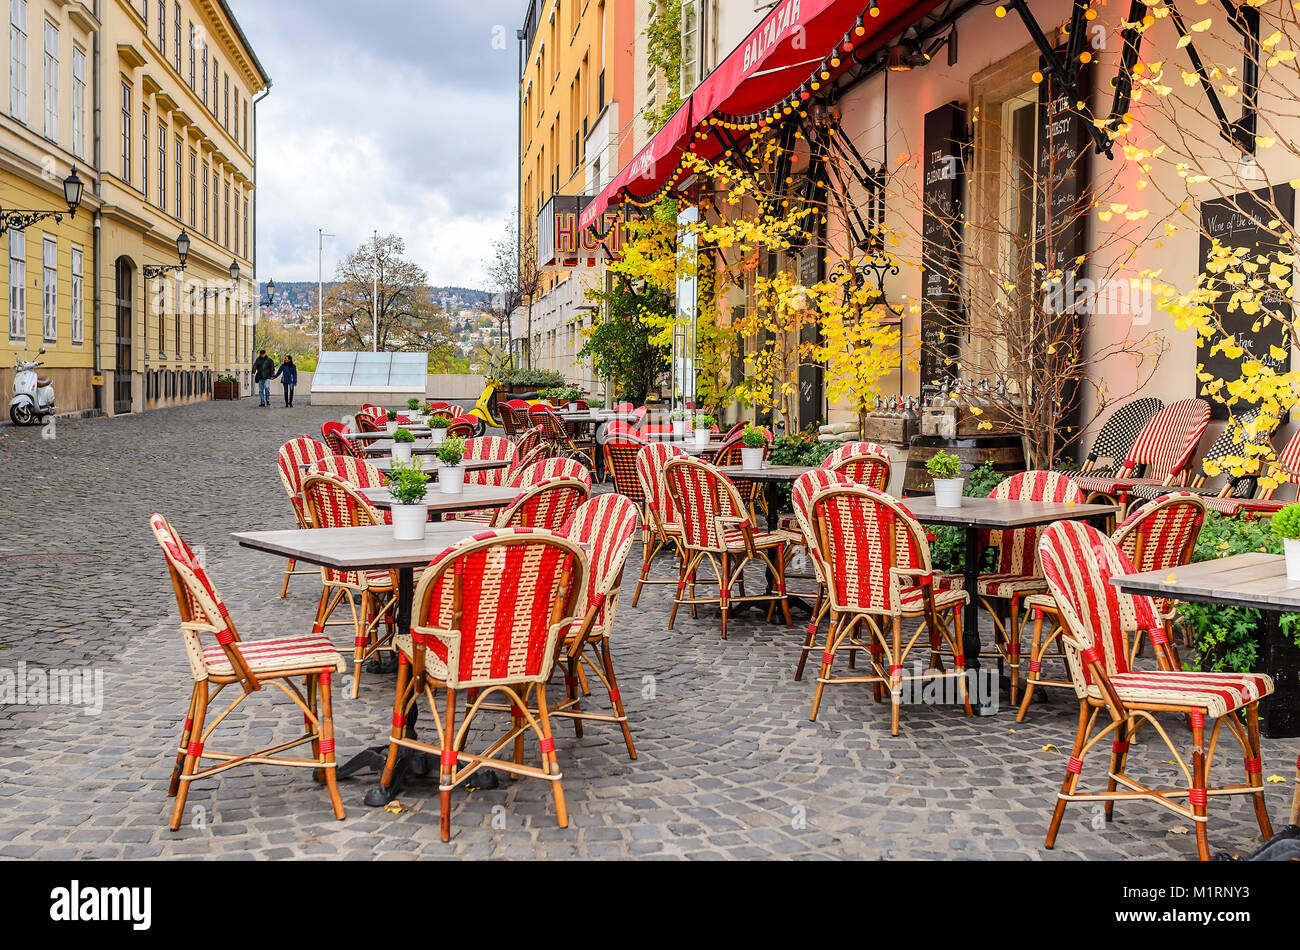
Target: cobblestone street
x=729, y=765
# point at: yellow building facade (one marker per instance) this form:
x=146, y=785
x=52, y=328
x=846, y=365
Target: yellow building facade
x=154, y=102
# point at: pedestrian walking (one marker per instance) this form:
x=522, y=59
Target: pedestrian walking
x=263, y=373
x=288, y=376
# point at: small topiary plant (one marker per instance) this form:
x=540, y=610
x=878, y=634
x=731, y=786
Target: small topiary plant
x=413, y=404
x=408, y=482
x=1286, y=523
x=754, y=437
x=403, y=435
x=392, y=415
x=705, y=421
x=439, y=422
x=943, y=465
x=452, y=451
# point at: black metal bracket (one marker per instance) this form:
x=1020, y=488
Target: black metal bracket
x=17, y=220
x=155, y=271
x=1066, y=72
x=1245, y=20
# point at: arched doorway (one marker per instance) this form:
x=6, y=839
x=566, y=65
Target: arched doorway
x=122, y=396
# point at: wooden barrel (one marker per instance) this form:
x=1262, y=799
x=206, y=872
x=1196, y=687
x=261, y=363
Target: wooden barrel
x=1005, y=452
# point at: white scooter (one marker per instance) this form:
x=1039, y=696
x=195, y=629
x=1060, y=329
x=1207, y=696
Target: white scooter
x=33, y=395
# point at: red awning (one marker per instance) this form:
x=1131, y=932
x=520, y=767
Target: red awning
x=779, y=55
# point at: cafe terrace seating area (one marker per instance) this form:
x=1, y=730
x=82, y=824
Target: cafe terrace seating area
x=500, y=637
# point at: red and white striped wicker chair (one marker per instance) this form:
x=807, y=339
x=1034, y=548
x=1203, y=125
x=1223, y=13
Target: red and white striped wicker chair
x=1017, y=573
x=538, y=472
x=462, y=427
x=336, y=437
x=1079, y=562
x=1162, y=452
x=620, y=463
x=864, y=463
x=1118, y=434
x=450, y=410
x=492, y=448
x=527, y=440
x=248, y=665
x=359, y=473
x=1156, y=537
x=557, y=433
x=370, y=420
x=876, y=562
x=1238, y=482
x=292, y=459
x=801, y=493
x=1284, y=470
x=510, y=420
x=549, y=504
x=333, y=503
x=662, y=525
x=489, y=616
x=606, y=526
x=717, y=526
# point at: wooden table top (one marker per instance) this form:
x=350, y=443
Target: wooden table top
x=768, y=473
x=359, y=549
x=470, y=498
x=1254, y=579
x=470, y=465
x=994, y=513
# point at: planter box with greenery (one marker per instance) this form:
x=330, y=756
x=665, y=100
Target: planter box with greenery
x=226, y=387
x=531, y=380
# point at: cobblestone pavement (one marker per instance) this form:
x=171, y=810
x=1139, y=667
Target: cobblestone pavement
x=729, y=765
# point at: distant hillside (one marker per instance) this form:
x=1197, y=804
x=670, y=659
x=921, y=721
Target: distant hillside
x=301, y=295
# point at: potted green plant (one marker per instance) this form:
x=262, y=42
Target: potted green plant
x=408, y=483
x=1286, y=525
x=413, y=404
x=451, y=474
x=438, y=425
x=403, y=442
x=678, y=418
x=392, y=421
x=945, y=469
x=571, y=395
x=754, y=443
x=225, y=387
x=704, y=424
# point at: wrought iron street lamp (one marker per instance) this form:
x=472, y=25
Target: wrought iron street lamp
x=18, y=219
x=154, y=271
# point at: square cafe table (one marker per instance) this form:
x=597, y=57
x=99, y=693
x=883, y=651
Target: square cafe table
x=377, y=436
x=1255, y=580
x=368, y=549
x=470, y=498
x=385, y=465
x=976, y=514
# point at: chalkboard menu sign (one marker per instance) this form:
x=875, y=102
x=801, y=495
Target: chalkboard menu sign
x=1241, y=221
x=943, y=191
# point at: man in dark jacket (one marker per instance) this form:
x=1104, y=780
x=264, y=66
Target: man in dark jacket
x=263, y=373
x=288, y=376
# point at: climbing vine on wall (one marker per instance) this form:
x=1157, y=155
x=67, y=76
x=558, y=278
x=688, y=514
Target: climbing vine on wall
x=664, y=54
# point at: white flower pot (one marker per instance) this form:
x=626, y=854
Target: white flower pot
x=751, y=460
x=573, y=407
x=679, y=428
x=1292, y=548
x=451, y=479
x=947, y=492
x=409, y=522
x=437, y=435
x=702, y=437
x=402, y=451
x=392, y=426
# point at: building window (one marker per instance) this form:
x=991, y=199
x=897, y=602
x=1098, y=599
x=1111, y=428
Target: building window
x=194, y=77
x=225, y=219
x=160, y=298
x=216, y=86
x=18, y=59
x=50, y=289
x=225, y=98
x=126, y=132
x=144, y=153
x=51, y=81
x=176, y=36
x=204, y=57
x=78, y=295
x=78, y=102
x=162, y=27
x=248, y=251
x=179, y=168
x=194, y=185
x=176, y=301
x=192, y=309
x=247, y=106
x=205, y=200
x=162, y=166
x=237, y=232
x=216, y=204
x=17, y=285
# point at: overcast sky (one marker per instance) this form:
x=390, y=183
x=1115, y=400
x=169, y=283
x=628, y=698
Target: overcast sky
x=396, y=115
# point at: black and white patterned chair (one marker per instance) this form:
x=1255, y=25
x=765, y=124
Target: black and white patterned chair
x=1118, y=435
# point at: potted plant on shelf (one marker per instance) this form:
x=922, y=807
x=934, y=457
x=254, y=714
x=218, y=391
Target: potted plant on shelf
x=408, y=483
x=1286, y=525
x=945, y=469
x=438, y=425
x=392, y=421
x=451, y=474
x=704, y=424
x=413, y=407
x=754, y=442
x=678, y=418
x=403, y=441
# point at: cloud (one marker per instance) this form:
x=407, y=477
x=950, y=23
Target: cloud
x=400, y=119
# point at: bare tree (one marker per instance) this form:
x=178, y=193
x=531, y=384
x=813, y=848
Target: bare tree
x=516, y=279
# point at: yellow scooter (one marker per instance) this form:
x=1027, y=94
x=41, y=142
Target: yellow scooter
x=487, y=413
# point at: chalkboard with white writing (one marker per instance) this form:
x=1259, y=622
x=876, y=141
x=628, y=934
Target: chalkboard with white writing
x=943, y=192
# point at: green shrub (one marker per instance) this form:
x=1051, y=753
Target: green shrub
x=408, y=482
x=753, y=437
x=704, y=421
x=537, y=378
x=451, y=451
x=392, y=415
x=943, y=465
x=439, y=421
x=948, y=543
x=403, y=435
x=413, y=404
x=1286, y=523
